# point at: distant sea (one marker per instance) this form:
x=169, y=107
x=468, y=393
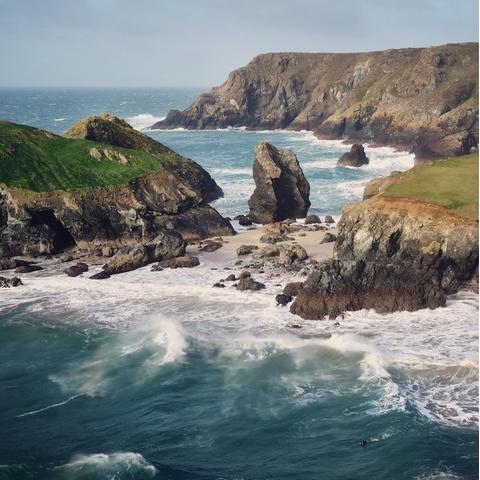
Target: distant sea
x=158, y=376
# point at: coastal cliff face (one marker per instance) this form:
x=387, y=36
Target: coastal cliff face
x=172, y=196
x=424, y=99
x=398, y=252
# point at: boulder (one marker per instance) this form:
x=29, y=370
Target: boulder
x=178, y=262
x=246, y=249
x=354, y=158
x=329, y=219
x=210, y=246
x=292, y=288
x=283, y=254
x=164, y=246
x=283, y=299
x=231, y=278
x=273, y=238
x=28, y=268
x=328, y=238
x=218, y=285
x=10, y=282
x=248, y=283
x=309, y=219
x=76, y=270
x=281, y=189
x=100, y=275
x=243, y=220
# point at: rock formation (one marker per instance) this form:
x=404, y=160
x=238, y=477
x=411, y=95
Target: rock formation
x=354, y=158
x=281, y=189
x=423, y=99
x=171, y=195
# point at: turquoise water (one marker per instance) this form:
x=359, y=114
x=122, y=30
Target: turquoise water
x=157, y=375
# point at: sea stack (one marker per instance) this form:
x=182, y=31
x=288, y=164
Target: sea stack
x=281, y=189
x=354, y=158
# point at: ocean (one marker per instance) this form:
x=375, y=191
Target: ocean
x=159, y=376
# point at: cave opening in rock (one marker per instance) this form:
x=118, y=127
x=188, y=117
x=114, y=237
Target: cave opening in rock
x=61, y=238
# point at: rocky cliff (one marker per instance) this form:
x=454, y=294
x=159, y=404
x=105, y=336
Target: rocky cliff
x=399, y=252
x=60, y=192
x=424, y=99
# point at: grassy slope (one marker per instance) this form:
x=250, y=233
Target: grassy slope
x=451, y=183
x=39, y=161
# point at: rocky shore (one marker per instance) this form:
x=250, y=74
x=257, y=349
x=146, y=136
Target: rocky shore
x=418, y=99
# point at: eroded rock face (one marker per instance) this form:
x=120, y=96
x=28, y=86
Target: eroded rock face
x=392, y=254
x=414, y=98
x=281, y=189
x=356, y=157
x=165, y=246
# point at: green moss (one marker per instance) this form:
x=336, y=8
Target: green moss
x=36, y=160
x=451, y=183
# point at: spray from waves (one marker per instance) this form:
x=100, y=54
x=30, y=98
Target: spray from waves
x=54, y=405
x=112, y=466
x=130, y=358
x=143, y=121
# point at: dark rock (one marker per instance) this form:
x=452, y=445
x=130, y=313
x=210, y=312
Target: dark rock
x=218, y=285
x=28, y=268
x=309, y=219
x=354, y=158
x=248, y=283
x=329, y=219
x=164, y=246
x=243, y=220
x=283, y=299
x=338, y=286
x=100, y=275
x=246, y=249
x=178, y=262
x=8, y=264
x=210, y=246
x=328, y=238
x=281, y=189
x=292, y=288
x=76, y=270
x=10, y=282
x=231, y=278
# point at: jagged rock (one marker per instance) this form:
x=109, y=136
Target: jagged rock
x=328, y=238
x=329, y=219
x=283, y=299
x=246, y=249
x=178, y=262
x=341, y=285
x=248, y=283
x=354, y=158
x=76, y=270
x=10, y=282
x=283, y=254
x=379, y=97
x=28, y=268
x=243, y=220
x=281, y=189
x=210, y=246
x=231, y=278
x=292, y=288
x=309, y=219
x=164, y=246
x=100, y=276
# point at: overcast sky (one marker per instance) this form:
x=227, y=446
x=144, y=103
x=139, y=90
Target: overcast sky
x=197, y=42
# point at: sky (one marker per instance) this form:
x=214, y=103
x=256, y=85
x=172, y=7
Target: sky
x=198, y=42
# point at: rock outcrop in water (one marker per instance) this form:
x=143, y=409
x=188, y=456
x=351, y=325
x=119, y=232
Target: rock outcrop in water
x=281, y=189
x=393, y=253
x=354, y=158
x=170, y=197
x=423, y=99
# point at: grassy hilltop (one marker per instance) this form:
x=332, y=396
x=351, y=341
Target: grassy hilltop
x=40, y=161
x=451, y=183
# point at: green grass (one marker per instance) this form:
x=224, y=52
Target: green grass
x=36, y=160
x=451, y=183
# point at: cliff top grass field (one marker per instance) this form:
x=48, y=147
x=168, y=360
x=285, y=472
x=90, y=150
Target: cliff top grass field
x=40, y=161
x=451, y=183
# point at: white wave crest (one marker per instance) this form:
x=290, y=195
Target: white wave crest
x=109, y=466
x=143, y=121
x=171, y=336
